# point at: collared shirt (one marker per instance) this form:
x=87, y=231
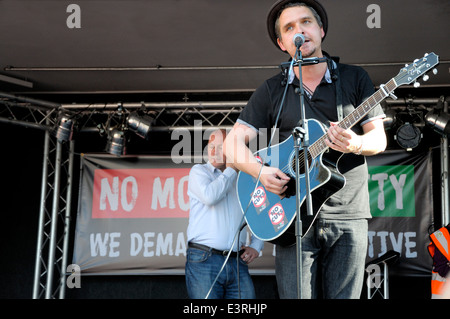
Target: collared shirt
x=215, y=215
x=291, y=77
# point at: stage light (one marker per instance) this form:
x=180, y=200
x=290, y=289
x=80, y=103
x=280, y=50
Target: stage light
x=408, y=136
x=116, y=144
x=439, y=122
x=140, y=125
x=64, y=131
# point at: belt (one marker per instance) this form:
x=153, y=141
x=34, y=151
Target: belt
x=212, y=250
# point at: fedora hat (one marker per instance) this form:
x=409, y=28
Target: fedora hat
x=275, y=11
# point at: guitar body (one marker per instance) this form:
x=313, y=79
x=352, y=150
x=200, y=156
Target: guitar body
x=271, y=218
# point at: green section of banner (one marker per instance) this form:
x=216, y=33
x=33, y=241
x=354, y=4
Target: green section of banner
x=391, y=191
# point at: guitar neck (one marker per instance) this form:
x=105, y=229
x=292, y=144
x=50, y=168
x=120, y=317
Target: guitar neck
x=319, y=146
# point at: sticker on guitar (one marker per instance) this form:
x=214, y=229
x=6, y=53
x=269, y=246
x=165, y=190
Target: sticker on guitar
x=277, y=217
x=260, y=200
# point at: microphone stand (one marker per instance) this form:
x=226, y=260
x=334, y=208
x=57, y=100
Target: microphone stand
x=301, y=138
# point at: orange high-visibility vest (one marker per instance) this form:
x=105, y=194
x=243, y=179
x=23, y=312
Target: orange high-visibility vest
x=440, y=239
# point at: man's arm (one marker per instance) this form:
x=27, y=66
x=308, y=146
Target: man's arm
x=237, y=152
x=372, y=142
x=210, y=191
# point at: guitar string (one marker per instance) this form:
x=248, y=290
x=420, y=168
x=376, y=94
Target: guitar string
x=353, y=117
x=320, y=141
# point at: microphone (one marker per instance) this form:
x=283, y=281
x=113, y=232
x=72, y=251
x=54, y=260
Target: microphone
x=299, y=39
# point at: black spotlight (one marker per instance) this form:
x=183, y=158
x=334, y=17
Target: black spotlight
x=408, y=136
x=439, y=122
x=139, y=124
x=64, y=131
x=116, y=144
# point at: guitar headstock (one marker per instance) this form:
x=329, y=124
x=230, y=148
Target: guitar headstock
x=410, y=73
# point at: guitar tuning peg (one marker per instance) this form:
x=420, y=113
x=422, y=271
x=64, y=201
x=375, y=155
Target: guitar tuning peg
x=435, y=71
x=416, y=84
x=425, y=77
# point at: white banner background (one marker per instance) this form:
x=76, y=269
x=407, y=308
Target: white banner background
x=133, y=214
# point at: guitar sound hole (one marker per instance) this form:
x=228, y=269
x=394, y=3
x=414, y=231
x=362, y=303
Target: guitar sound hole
x=301, y=162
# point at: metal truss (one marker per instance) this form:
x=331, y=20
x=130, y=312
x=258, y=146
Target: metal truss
x=27, y=112
x=377, y=279
x=101, y=117
x=54, y=219
x=56, y=192
x=165, y=116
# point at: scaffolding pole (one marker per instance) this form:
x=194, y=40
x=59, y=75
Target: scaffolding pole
x=62, y=291
x=54, y=224
x=54, y=220
x=444, y=176
x=41, y=224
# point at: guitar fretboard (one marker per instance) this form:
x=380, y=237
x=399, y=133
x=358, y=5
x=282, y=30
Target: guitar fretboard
x=319, y=146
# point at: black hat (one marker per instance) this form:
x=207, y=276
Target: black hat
x=274, y=12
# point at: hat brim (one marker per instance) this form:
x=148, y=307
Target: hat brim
x=273, y=14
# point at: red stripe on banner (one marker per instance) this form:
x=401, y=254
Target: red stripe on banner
x=140, y=193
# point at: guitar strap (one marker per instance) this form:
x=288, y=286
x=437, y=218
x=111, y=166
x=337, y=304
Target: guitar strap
x=335, y=77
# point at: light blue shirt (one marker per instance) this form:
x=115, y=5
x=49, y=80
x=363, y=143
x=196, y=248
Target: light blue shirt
x=215, y=214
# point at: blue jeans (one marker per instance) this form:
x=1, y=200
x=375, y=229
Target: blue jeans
x=202, y=268
x=333, y=258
